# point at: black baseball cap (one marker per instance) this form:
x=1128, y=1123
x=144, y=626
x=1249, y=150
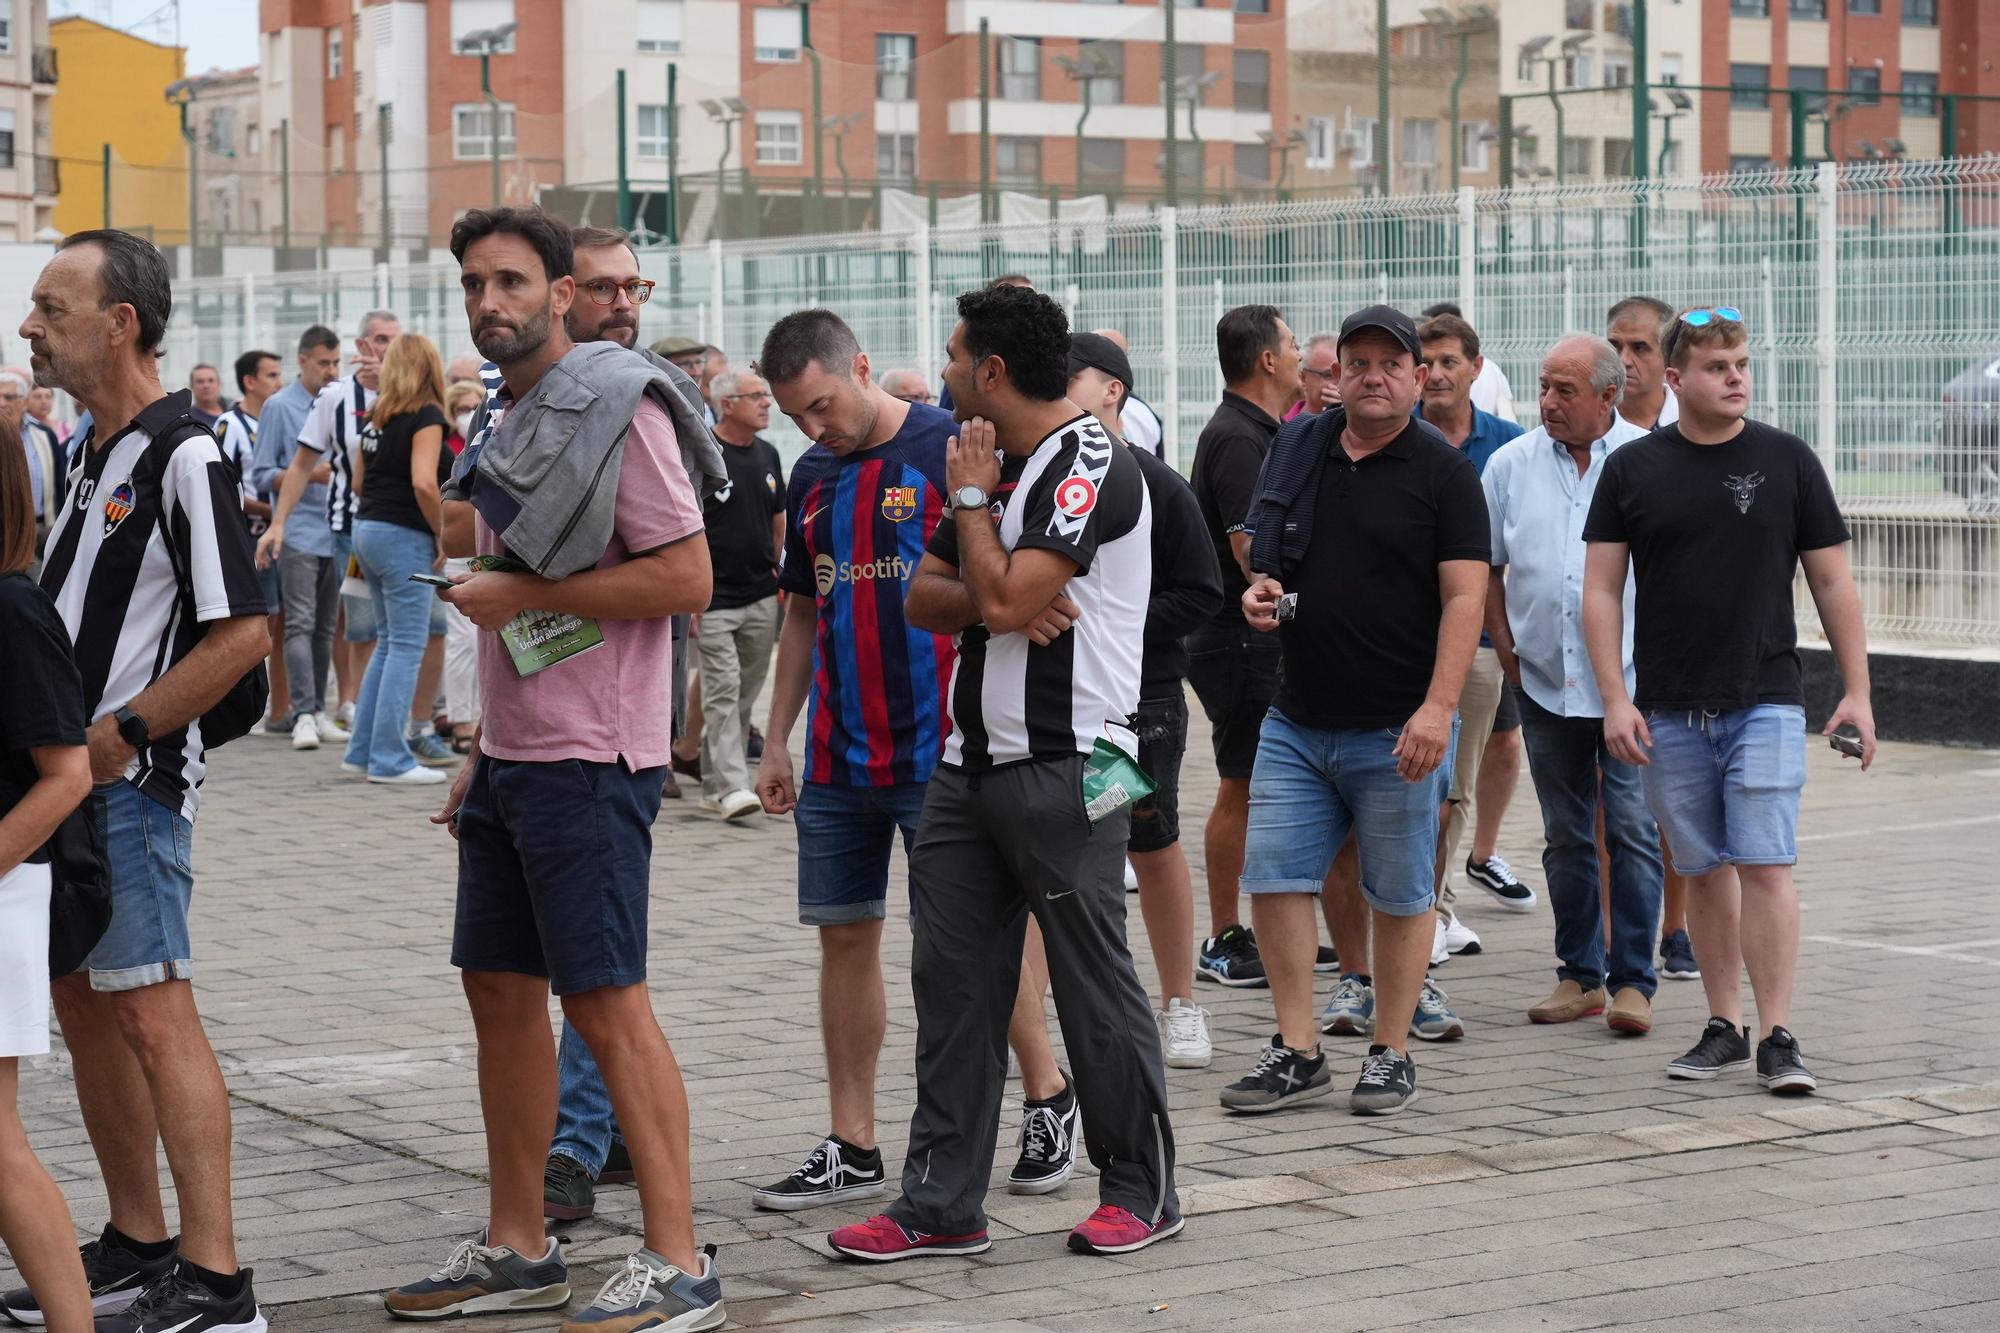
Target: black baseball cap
x=1388, y=319
x=1094, y=351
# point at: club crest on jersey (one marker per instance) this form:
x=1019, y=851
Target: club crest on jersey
x=118, y=506
x=899, y=503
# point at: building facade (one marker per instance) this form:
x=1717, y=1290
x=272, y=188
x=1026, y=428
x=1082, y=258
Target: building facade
x=30, y=175
x=114, y=93
x=225, y=109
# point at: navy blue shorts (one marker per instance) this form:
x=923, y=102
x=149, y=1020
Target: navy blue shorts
x=845, y=837
x=554, y=871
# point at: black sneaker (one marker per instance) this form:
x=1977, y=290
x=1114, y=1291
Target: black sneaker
x=1497, y=878
x=1327, y=961
x=568, y=1192
x=1048, y=1143
x=1280, y=1078
x=617, y=1165
x=1388, y=1083
x=116, y=1276
x=1779, y=1067
x=1722, y=1046
x=1677, y=958
x=753, y=749
x=1231, y=959
x=181, y=1303
x=834, y=1172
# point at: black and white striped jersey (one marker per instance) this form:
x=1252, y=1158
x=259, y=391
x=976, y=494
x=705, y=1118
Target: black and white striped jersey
x=1012, y=699
x=336, y=425
x=238, y=432
x=150, y=546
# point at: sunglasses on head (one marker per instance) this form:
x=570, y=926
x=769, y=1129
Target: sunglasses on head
x=1698, y=318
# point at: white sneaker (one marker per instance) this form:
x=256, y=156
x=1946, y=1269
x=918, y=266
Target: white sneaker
x=1184, y=1034
x=412, y=777
x=1439, y=953
x=345, y=715
x=1459, y=937
x=739, y=805
x=1131, y=878
x=329, y=730
x=305, y=736
x=709, y=805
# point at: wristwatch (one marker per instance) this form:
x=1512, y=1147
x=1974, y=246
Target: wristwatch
x=133, y=728
x=970, y=497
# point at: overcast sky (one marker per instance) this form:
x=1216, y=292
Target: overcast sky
x=219, y=34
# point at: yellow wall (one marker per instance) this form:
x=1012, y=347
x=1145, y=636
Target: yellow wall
x=114, y=90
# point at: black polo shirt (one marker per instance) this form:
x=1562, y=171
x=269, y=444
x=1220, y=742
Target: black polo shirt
x=1227, y=460
x=1360, y=651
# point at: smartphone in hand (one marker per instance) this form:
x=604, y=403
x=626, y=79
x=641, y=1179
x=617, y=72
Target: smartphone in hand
x=434, y=580
x=1845, y=744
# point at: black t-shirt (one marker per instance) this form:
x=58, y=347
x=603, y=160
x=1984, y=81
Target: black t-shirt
x=1715, y=533
x=1186, y=584
x=386, y=493
x=1227, y=460
x=738, y=520
x=41, y=695
x=1361, y=648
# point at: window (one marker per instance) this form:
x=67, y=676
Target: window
x=1617, y=72
x=1866, y=85
x=1750, y=9
x=1253, y=80
x=1190, y=160
x=472, y=130
x=6, y=30
x=776, y=35
x=896, y=157
x=1919, y=94
x=1670, y=69
x=1420, y=143
x=1364, y=143
x=1020, y=69
x=653, y=131
x=1253, y=6
x=221, y=138
x=780, y=138
x=662, y=25
x=1251, y=163
x=1921, y=11
x=336, y=147
x=1524, y=68
x=1808, y=9
x=1617, y=158
x=1576, y=15
x=1017, y=161
x=1107, y=88
x=1319, y=143
x=1472, y=145
x=6, y=136
x=477, y=16
x=1576, y=70
x=1751, y=163
x=1864, y=6
x=1187, y=66
x=334, y=40
x=1746, y=86
x=1810, y=79
x=253, y=139
x=1104, y=160
x=895, y=67
x=1577, y=156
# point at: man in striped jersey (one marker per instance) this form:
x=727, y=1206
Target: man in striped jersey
x=150, y=568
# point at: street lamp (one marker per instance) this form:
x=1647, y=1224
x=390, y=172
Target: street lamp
x=1679, y=104
x=838, y=126
x=1461, y=23
x=724, y=113
x=1093, y=65
x=1192, y=87
x=486, y=43
x=806, y=45
x=1284, y=143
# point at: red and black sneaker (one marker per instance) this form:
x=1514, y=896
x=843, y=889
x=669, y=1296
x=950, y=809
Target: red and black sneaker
x=882, y=1239
x=1113, y=1230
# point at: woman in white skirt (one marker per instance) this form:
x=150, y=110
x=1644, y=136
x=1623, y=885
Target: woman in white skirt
x=44, y=773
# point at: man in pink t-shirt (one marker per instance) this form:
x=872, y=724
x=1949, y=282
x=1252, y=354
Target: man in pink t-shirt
x=554, y=818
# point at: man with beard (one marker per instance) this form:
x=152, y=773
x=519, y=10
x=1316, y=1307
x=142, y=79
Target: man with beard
x=554, y=813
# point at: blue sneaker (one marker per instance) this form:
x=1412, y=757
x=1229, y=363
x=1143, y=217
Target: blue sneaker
x=650, y=1295
x=1434, y=1020
x=1350, y=1010
x=433, y=750
x=1231, y=959
x=1677, y=958
x=477, y=1278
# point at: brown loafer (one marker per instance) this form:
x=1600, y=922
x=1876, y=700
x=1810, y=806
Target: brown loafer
x=1630, y=1012
x=1567, y=1003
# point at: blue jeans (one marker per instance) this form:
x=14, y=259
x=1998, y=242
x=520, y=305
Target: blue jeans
x=845, y=837
x=584, y=1125
x=149, y=851
x=1725, y=786
x=1573, y=772
x=389, y=554
x=1312, y=787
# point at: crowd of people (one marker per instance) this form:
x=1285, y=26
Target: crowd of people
x=552, y=574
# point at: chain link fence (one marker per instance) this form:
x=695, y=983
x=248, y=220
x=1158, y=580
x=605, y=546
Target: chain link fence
x=1872, y=293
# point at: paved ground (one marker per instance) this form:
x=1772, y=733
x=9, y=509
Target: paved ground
x=1549, y=1179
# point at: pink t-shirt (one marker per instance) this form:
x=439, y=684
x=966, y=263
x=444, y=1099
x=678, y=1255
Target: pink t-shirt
x=612, y=703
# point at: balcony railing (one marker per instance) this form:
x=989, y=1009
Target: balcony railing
x=48, y=176
x=43, y=60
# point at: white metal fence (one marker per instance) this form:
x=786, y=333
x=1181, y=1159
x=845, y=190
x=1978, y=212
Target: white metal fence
x=1872, y=293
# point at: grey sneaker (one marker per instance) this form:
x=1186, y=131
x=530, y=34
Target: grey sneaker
x=650, y=1293
x=433, y=750
x=1388, y=1083
x=478, y=1278
x=1281, y=1077
x=1434, y=1020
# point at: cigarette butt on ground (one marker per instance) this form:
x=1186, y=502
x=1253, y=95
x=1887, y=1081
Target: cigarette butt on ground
x=1156, y=1309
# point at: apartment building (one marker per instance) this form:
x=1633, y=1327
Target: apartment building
x=30, y=177
x=225, y=109
x=113, y=94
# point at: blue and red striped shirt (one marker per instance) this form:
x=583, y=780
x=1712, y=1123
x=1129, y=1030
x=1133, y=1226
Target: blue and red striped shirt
x=855, y=530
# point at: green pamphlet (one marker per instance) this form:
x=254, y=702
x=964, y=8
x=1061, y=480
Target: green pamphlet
x=538, y=640
x=1112, y=779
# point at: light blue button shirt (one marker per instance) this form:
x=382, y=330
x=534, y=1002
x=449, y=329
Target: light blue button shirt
x=1537, y=504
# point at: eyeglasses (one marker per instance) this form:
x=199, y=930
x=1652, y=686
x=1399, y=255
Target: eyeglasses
x=753, y=397
x=604, y=291
x=1696, y=319
x=1323, y=374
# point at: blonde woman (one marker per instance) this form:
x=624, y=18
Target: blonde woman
x=396, y=534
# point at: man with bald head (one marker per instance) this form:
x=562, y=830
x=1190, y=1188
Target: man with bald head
x=1538, y=491
x=906, y=384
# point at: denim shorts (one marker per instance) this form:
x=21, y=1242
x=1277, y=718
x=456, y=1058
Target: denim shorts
x=1725, y=786
x=1162, y=726
x=555, y=871
x=1313, y=787
x=845, y=837
x=150, y=855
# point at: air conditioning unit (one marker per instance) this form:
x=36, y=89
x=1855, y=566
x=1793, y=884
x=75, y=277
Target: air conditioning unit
x=1352, y=141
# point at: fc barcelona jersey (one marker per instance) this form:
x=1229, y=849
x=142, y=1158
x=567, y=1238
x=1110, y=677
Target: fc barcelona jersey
x=855, y=530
